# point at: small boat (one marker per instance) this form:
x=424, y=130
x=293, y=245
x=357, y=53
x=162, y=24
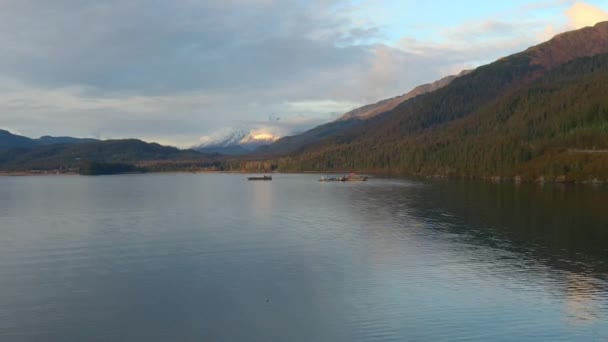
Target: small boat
x=262, y=178
x=355, y=178
x=330, y=179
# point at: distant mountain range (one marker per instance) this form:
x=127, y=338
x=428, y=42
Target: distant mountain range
x=18, y=153
x=9, y=140
x=541, y=114
x=538, y=114
x=236, y=143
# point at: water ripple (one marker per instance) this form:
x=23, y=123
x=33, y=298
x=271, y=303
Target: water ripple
x=213, y=257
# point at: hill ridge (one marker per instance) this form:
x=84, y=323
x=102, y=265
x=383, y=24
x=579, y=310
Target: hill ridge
x=490, y=122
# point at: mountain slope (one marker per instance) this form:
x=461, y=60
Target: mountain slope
x=351, y=119
x=294, y=143
x=48, y=140
x=231, y=139
x=232, y=150
x=9, y=140
x=110, y=151
x=514, y=116
x=236, y=143
x=586, y=42
x=372, y=110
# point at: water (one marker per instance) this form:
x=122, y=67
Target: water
x=184, y=257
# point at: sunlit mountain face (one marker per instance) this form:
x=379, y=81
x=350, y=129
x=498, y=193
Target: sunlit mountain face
x=236, y=142
x=259, y=139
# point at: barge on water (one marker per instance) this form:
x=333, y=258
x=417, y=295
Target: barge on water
x=260, y=178
x=346, y=178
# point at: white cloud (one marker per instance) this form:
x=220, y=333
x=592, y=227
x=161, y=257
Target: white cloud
x=318, y=106
x=582, y=14
x=176, y=70
x=475, y=43
x=577, y=15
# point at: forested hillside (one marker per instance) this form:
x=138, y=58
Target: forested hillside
x=541, y=114
x=9, y=140
x=487, y=124
x=71, y=156
x=350, y=120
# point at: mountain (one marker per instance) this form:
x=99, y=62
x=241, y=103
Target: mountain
x=48, y=140
x=541, y=113
x=70, y=156
x=9, y=140
x=351, y=119
x=230, y=139
x=236, y=143
x=256, y=139
x=383, y=106
x=232, y=150
x=564, y=47
x=295, y=143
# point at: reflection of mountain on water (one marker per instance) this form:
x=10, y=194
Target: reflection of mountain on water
x=525, y=237
x=568, y=224
x=569, y=220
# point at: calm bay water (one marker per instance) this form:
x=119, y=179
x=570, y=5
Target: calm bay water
x=184, y=257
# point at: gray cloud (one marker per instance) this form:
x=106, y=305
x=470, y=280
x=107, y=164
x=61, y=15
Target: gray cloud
x=157, y=47
x=172, y=71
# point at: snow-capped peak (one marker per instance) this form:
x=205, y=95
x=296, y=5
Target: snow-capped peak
x=249, y=140
x=258, y=138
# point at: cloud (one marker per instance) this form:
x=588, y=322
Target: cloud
x=477, y=42
x=582, y=14
x=299, y=116
x=270, y=128
x=144, y=68
x=173, y=71
x=550, y=4
x=36, y=111
x=485, y=29
x=167, y=47
x=577, y=15
x=465, y=46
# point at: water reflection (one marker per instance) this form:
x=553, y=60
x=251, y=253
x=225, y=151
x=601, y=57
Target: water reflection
x=526, y=238
x=566, y=225
x=214, y=257
x=583, y=299
x=260, y=194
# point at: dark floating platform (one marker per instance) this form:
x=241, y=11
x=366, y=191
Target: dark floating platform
x=346, y=178
x=258, y=178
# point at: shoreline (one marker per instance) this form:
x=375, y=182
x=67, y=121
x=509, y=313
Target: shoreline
x=387, y=175
x=35, y=173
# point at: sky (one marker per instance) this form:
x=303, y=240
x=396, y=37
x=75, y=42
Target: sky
x=182, y=71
